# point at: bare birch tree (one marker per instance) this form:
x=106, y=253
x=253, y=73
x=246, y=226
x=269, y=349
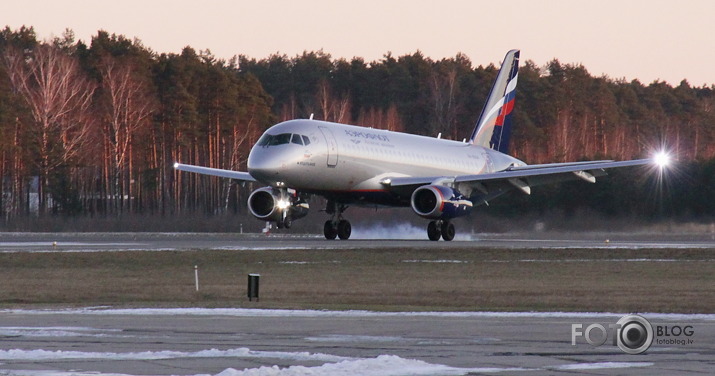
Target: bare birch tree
x=59, y=97
x=333, y=109
x=444, y=89
x=128, y=107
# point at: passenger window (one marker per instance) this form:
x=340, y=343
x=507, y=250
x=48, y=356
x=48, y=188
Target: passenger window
x=296, y=139
x=306, y=140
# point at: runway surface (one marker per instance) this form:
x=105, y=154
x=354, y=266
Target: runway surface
x=284, y=342
x=274, y=342
x=404, y=238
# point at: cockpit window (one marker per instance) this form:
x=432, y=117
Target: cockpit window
x=296, y=139
x=280, y=139
x=265, y=140
x=272, y=140
x=306, y=140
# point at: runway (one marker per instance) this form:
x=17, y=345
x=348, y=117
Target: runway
x=285, y=342
x=108, y=341
x=405, y=238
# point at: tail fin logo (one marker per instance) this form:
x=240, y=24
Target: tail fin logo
x=502, y=125
x=494, y=126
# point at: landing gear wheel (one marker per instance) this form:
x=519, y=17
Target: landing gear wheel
x=433, y=231
x=448, y=231
x=279, y=224
x=344, y=229
x=330, y=231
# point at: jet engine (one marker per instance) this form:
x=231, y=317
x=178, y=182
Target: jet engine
x=271, y=204
x=439, y=202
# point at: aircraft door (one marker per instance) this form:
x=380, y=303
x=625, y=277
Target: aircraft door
x=332, y=146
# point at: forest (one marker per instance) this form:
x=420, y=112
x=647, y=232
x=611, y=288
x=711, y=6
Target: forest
x=92, y=129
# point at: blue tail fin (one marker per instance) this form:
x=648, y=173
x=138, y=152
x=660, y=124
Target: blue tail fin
x=494, y=125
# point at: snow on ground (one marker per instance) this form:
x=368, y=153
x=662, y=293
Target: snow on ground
x=51, y=331
x=437, y=261
x=44, y=355
x=383, y=365
x=629, y=246
x=126, y=248
x=602, y=365
x=250, y=312
x=554, y=244
x=557, y=261
x=65, y=244
x=27, y=372
x=338, y=338
x=309, y=262
x=599, y=260
x=389, y=365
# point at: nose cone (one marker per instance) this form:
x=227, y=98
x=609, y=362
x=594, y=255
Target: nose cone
x=263, y=164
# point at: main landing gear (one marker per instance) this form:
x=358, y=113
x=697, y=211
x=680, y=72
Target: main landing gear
x=336, y=226
x=442, y=228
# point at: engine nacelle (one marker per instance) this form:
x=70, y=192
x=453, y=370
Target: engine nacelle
x=269, y=204
x=439, y=202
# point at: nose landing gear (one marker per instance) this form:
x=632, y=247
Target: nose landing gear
x=286, y=223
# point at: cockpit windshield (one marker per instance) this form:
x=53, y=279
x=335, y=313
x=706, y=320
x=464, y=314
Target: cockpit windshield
x=283, y=138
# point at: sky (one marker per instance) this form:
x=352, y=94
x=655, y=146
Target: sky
x=646, y=40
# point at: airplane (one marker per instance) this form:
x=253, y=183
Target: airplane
x=439, y=179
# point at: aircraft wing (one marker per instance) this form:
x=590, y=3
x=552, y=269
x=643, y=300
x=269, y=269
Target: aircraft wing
x=524, y=177
x=238, y=175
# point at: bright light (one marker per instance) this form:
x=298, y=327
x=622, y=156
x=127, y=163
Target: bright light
x=662, y=159
x=176, y=164
x=282, y=204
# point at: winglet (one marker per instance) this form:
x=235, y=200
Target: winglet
x=494, y=125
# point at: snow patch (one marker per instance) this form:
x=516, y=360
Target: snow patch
x=603, y=365
x=25, y=372
x=40, y=355
x=383, y=365
x=308, y=262
x=344, y=338
x=70, y=244
x=598, y=260
x=438, y=261
x=61, y=331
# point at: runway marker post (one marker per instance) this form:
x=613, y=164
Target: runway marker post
x=196, y=276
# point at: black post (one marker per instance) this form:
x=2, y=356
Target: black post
x=253, y=280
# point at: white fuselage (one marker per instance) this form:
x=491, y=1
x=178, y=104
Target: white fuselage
x=343, y=158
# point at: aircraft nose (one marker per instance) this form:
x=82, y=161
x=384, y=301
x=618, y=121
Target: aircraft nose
x=262, y=165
